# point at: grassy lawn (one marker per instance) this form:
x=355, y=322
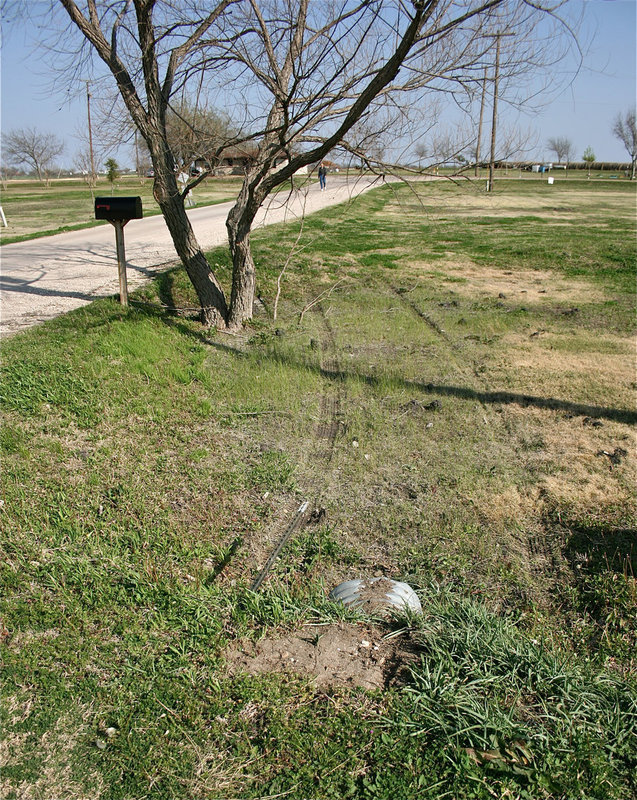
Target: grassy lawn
x=458, y=409
x=33, y=209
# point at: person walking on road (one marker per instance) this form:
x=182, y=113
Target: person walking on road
x=322, y=172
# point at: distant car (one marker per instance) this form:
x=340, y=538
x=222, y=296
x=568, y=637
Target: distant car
x=150, y=173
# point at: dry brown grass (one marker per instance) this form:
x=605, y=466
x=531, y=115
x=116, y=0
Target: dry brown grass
x=598, y=371
x=533, y=286
x=55, y=754
x=559, y=204
x=575, y=459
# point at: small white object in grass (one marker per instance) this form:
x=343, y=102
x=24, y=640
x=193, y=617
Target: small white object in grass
x=367, y=456
x=398, y=594
x=354, y=443
x=365, y=643
x=430, y=424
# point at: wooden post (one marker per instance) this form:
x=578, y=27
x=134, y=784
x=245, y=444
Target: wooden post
x=90, y=136
x=494, y=119
x=479, y=142
x=121, y=260
x=118, y=211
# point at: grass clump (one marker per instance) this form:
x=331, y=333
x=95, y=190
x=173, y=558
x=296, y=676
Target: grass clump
x=537, y=722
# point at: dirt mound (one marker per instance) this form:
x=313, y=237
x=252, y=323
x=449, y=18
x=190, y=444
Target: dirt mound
x=342, y=654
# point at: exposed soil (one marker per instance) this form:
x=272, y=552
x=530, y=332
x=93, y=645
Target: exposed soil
x=530, y=285
x=342, y=654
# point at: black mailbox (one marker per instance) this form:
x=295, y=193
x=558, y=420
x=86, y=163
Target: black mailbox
x=118, y=208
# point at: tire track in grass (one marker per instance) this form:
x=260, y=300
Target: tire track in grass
x=330, y=423
x=541, y=549
x=401, y=294
x=456, y=348
x=323, y=435
x=321, y=444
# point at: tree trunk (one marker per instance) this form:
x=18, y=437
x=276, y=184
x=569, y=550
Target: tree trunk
x=214, y=309
x=243, y=281
x=239, y=224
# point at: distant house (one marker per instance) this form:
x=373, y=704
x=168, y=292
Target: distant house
x=234, y=160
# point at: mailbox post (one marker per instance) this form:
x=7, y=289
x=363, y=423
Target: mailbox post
x=118, y=211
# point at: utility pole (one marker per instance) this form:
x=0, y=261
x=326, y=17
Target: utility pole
x=90, y=134
x=496, y=78
x=479, y=143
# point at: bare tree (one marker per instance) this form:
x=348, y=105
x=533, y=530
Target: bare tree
x=84, y=163
x=141, y=157
x=300, y=78
x=625, y=129
x=37, y=150
x=422, y=151
x=148, y=48
x=517, y=72
x=328, y=77
x=562, y=147
x=447, y=146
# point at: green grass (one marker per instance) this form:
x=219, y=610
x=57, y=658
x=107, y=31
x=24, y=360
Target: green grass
x=516, y=707
x=147, y=464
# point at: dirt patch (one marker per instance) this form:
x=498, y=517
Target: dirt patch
x=527, y=285
x=415, y=407
x=22, y=639
x=342, y=654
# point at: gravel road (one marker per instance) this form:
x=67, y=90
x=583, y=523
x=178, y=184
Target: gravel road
x=43, y=278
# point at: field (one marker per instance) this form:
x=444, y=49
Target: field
x=32, y=209
x=450, y=384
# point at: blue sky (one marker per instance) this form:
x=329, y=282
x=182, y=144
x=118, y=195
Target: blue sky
x=583, y=112
x=605, y=86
